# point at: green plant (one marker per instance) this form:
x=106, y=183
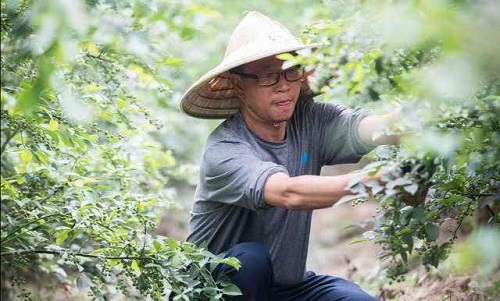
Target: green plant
x=415, y=55
x=83, y=181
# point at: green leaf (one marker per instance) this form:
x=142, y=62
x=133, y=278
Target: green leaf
x=358, y=240
x=61, y=237
x=231, y=290
x=405, y=213
x=419, y=214
x=285, y=56
x=135, y=266
x=26, y=156
x=83, y=282
x=157, y=245
x=358, y=189
x=347, y=199
x=408, y=240
x=53, y=125
x=42, y=157
x=232, y=261
x=404, y=256
x=216, y=297
x=171, y=61
x=354, y=181
x=412, y=188
x=92, y=88
x=432, y=231
x=375, y=186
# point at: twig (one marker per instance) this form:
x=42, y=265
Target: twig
x=98, y=58
x=462, y=219
x=491, y=213
x=144, y=244
x=23, y=252
x=7, y=140
x=16, y=230
x=59, y=189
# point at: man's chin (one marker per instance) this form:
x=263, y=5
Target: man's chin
x=282, y=119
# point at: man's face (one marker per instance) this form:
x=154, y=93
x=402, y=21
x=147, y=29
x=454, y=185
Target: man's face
x=267, y=104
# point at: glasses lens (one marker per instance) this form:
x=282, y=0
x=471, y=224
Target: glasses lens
x=268, y=79
x=293, y=74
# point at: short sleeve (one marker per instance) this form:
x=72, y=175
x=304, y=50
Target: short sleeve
x=231, y=173
x=339, y=136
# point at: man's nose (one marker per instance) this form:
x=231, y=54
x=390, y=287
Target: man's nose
x=283, y=84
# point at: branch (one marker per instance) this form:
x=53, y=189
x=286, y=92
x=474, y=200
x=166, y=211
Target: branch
x=41, y=251
x=491, y=213
x=98, y=58
x=466, y=212
x=18, y=229
x=57, y=190
x=7, y=140
x=144, y=244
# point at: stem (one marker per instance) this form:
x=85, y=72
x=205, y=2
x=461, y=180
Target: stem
x=98, y=58
x=144, y=244
x=18, y=229
x=71, y=253
x=57, y=190
x=491, y=213
x=7, y=140
x=462, y=219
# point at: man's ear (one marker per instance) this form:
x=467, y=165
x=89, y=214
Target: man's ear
x=306, y=75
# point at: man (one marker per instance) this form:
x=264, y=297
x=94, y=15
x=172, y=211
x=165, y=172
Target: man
x=259, y=176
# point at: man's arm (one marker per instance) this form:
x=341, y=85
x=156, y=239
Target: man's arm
x=370, y=128
x=308, y=192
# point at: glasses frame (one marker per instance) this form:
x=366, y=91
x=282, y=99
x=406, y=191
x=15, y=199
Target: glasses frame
x=278, y=75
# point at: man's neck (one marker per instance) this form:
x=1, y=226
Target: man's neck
x=269, y=131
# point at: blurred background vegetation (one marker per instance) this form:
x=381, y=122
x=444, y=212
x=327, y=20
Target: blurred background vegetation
x=99, y=166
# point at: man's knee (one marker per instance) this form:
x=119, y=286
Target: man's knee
x=349, y=291
x=254, y=257
x=255, y=276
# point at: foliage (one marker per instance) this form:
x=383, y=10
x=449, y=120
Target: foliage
x=83, y=178
x=90, y=143
x=423, y=57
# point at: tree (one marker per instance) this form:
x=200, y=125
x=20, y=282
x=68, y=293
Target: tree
x=83, y=179
x=87, y=165
x=437, y=62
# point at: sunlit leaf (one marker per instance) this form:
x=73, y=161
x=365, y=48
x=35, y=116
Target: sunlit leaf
x=53, y=125
x=412, y=188
x=26, y=156
x=135, y=266
x=61, y=237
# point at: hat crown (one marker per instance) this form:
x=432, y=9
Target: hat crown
x=258, y=33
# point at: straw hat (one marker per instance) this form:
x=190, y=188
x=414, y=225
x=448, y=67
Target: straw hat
x=256, y=37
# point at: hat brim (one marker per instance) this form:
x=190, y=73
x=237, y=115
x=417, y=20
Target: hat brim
x=213, y=97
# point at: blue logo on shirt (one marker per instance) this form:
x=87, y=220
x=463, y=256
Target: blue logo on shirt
x=304, y=158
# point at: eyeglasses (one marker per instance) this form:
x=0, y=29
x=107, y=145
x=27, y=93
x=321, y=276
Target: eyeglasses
x=291, y=74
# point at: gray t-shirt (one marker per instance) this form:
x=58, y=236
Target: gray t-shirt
x=229, y=206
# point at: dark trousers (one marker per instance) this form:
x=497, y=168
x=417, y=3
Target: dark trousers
x=255, y=279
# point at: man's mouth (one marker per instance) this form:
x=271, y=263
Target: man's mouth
x=283, y=103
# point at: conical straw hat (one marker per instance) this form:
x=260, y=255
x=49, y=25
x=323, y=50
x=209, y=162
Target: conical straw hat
x=255, y=37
